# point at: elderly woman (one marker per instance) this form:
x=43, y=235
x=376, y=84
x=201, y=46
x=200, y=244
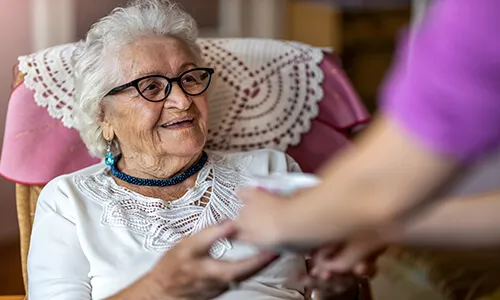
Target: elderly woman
x=141, y=226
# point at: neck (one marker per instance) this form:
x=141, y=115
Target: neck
x=156, y=167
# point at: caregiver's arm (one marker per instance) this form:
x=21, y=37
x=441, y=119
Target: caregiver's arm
x=440, y=110
x=386, y=174
x=460, y=222
x=369, y=186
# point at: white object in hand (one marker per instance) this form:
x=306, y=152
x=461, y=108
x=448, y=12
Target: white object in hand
x=285, y=184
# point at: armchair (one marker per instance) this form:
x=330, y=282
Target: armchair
x=299, y=91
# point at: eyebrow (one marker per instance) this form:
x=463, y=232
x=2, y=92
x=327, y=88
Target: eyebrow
x=184, y=67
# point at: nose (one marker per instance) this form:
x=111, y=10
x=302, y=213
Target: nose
x=177, y=99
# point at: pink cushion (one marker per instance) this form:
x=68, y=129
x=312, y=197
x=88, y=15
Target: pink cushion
x=38, y=148
x=339, y=112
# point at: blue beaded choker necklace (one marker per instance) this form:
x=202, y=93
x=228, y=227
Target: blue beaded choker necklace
x=160, y=182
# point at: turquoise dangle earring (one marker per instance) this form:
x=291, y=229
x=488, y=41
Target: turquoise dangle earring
x=109, y=159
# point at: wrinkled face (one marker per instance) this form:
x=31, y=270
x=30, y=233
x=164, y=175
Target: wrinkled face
x=176, y=126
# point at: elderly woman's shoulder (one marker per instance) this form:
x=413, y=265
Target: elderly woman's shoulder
x=267, y=159
x=62, y=182
x=265, y=153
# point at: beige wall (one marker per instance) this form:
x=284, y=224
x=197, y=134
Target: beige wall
x=88, y=12
x=204, y=11
x=15, y=36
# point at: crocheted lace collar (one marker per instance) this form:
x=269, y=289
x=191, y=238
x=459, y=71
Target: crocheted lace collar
x=163, y=224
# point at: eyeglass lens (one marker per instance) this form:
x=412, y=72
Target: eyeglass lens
x=157, y=88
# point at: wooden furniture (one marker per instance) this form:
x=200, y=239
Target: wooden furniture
x=11, y=297
x=26, y=197
x=363, y=36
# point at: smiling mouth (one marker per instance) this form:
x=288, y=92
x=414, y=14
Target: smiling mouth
x=179, y=124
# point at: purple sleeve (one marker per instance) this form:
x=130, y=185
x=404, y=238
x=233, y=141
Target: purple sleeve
x=445, y=87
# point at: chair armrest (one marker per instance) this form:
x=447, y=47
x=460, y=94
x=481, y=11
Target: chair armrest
x=11, y=297
x=494, y=296
x=454, y=273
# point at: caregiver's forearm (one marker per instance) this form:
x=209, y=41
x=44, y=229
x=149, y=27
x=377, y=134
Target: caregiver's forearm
x=384, y=176
x=468, y=222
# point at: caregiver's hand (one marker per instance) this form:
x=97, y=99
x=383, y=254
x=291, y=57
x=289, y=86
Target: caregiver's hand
x=188, y=272
x=340, y=286
x=338, y=271
x=263, y=221
x=358, y=257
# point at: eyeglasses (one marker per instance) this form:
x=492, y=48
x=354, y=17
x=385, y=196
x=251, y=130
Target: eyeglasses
x=156, y=88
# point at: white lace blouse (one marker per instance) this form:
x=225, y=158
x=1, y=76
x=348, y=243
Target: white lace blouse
x=92, y=238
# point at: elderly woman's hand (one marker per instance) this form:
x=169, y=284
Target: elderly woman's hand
x=188, y=272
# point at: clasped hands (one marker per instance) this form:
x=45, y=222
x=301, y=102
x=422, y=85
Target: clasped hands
x=260, y=223
x=188, y=272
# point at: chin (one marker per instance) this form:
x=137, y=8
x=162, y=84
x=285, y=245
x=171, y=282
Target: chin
x=186, y=147
x=185, y=142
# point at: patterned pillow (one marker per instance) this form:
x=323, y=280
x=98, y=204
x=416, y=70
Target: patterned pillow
x=267, y=94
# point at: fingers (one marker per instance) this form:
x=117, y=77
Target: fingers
x=354, y=253
x=321, y=256
x=201, y=242
x=326, y=253
x=345, y=261
x=237, y=271
x=335, y=285
x=368, y=268
x=365, y=269
x=360, y=269
x=357, y=257
x=372, y=258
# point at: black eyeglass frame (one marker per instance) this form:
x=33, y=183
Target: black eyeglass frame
x=168, y=88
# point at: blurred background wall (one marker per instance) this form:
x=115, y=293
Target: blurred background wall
x=361, y=31
x=15, y=34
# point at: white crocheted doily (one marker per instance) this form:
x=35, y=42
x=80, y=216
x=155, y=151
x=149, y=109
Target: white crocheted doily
x=265, y=94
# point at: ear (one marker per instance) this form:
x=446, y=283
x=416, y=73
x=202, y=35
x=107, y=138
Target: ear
x=107, y=131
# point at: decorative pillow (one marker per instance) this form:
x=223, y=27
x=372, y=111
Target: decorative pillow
x=267, y=94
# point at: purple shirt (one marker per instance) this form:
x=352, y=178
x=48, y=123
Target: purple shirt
x=445, y=87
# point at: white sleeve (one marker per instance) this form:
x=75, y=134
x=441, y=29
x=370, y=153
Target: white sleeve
x=57, y=267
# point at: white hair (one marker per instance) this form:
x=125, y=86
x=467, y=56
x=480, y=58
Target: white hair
x=95, y=64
